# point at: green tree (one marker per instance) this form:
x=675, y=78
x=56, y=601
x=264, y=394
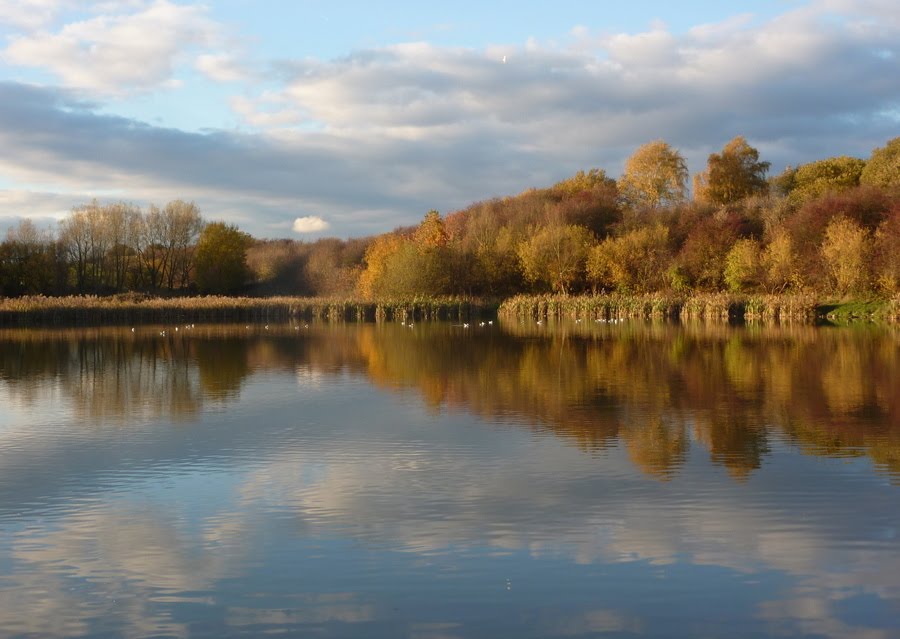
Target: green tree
x=556, y=256
x=883, y=168
x=811, y=180
x=221, y=258
x=743, y=270
x=733, y=174
x=655, y=175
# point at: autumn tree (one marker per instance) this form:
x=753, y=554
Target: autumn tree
x=883, y=167
x=700, y=263
x=886, y=261
x=431, y=233
x=583, y=182
x=278, y=266
x=555, y=256
x=733, y=174
x=636, y=262
x=221, y=258
x=332, y=267
x=778, y=262
x=655, y=175
x=743, y=271
x=846, y=252
x=814, y=179
x=372, y=281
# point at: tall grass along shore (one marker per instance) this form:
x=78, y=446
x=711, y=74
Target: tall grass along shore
x=715, y=307
x=137, y=309
x=805, y=308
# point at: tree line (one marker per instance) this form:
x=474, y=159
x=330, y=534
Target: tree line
x=831, y=226
x=119, y=247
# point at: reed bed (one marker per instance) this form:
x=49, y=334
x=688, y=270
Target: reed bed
x=605, y=307
x=893, y=310
x=705, y=307
x=137, y=309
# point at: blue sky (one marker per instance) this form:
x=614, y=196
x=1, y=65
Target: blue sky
x=304, y=119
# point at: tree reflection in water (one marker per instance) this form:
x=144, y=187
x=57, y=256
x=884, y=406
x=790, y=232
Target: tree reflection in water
x=657, y=389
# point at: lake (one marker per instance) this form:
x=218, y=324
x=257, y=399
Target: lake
x=436, y=481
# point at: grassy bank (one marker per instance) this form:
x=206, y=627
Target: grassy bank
x=136, y=309
x=719, y=307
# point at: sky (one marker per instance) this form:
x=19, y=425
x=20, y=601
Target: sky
x=309, y=118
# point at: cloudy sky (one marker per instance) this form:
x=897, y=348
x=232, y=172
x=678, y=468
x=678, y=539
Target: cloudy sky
x=309, y=118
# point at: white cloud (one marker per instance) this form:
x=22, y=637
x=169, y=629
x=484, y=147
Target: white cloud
x=115, y=54
x=264, y=113
x=30, y=14
x=221, y=67
x=405, y=128
x=310, y=224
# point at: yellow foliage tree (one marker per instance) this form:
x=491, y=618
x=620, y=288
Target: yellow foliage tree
x=846, y=250
x=655, y=175
x=633, y=263
x=556, y=256
x=376, y=259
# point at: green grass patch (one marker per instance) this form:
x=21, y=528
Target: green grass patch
x=849, y=312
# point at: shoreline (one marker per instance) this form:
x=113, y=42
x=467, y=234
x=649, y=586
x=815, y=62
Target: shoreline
x=136, y=309
x=703, y=307
x=801, y=308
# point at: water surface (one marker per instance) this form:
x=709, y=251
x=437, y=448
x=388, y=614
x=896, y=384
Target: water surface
x=435, y=481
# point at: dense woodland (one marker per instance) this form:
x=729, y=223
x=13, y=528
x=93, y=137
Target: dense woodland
x=830, y=227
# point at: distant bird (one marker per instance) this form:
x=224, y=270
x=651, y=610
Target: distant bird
x=465, y=325
x=504, y=59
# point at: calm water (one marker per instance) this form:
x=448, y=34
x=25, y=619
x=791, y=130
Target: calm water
x=437, y=482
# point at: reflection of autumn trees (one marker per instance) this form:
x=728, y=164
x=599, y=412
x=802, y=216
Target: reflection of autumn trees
x=736, y=393
x=829, y=392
